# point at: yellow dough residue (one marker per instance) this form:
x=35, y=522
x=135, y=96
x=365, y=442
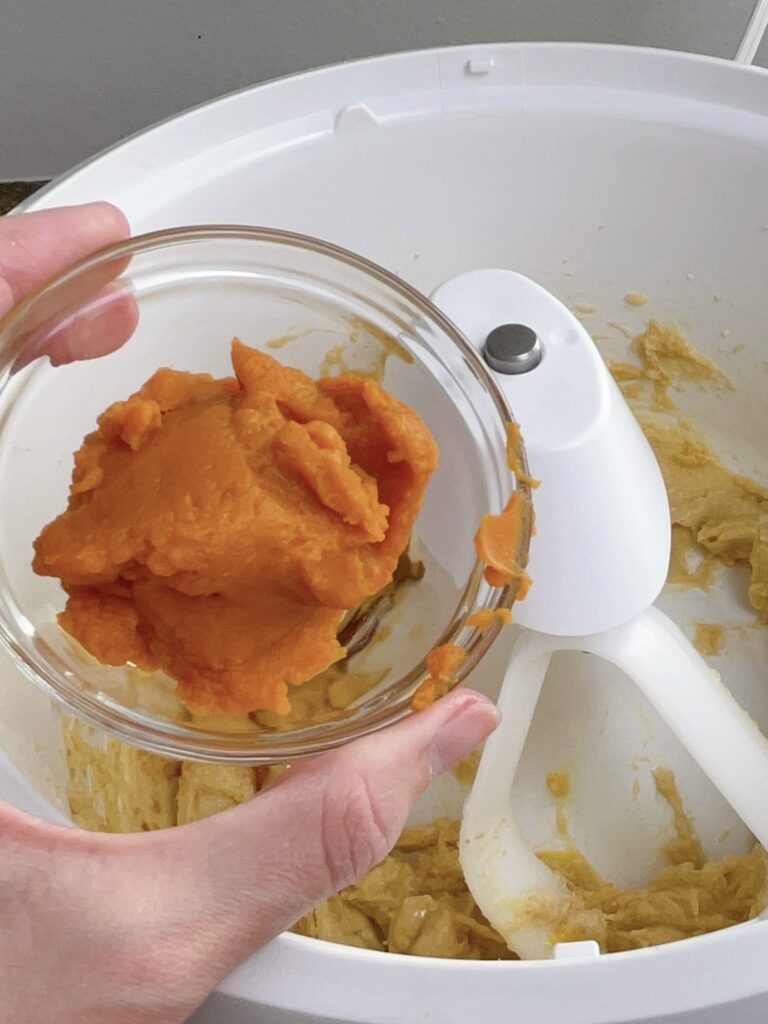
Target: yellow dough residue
x=709, y=638
x=559, y=788
x=114, y=788
x=689, y=564
x=416, y=901
x=559, y=784
x=722, y=513
x=465, y=770
x=692, y=896
x=206, y=789
x=668, y=358
x=364, y=352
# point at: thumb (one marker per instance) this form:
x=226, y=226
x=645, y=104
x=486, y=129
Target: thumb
x=247, y=874
x=36, y=246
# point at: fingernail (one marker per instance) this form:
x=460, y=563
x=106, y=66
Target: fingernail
x=472, y=722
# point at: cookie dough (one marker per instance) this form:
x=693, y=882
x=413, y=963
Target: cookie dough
x=416, y=901
x=709, y=638
x=692, y=896
x=721, y=513
x=669, y=359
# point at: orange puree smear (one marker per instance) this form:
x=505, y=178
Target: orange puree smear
x=497, y=543
x=482, y=618
x=220, y=529
x=515, y=456
x=442, y=663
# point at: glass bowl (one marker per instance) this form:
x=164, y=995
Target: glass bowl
x=176, y=298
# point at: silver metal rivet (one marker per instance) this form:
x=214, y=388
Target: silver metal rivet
x=512, y=348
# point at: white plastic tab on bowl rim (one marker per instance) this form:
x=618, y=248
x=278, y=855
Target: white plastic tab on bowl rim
x=588, y=949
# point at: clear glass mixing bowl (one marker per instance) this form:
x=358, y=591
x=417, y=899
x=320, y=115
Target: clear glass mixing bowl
x=176, y=298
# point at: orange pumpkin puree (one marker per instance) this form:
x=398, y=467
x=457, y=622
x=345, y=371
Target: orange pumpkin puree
x=497, y=542
x=515, y=456
x=442, y=663
x=483, y=618
x=220, y=529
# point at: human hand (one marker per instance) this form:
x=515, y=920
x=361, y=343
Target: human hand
x=105, y=929
x=91, y=317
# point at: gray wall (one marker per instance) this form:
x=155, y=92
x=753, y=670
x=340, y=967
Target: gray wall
x=76, y=75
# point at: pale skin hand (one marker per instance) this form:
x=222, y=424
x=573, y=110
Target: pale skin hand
x=101, y=929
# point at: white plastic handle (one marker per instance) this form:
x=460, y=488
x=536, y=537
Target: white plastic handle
x=715, y=730
x=601, y=550
x=502, y=871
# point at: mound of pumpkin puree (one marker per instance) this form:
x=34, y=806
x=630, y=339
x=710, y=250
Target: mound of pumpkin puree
x=219, y=530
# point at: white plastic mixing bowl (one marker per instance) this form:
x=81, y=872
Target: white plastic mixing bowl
x=596, y=171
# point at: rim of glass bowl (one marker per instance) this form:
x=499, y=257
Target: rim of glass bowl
x=177, y=740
